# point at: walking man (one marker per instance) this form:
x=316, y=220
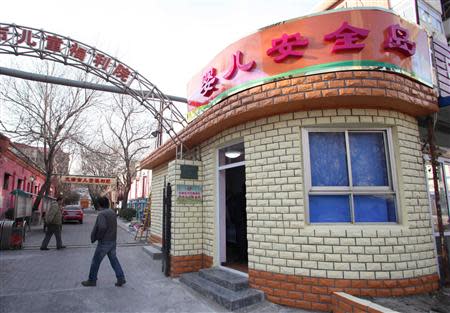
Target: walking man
x=53, y=220
x=105, y=232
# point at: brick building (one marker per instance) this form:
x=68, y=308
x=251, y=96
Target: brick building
x=140, y=191
x=17, y=171
x=304, y=167
x=433, y=17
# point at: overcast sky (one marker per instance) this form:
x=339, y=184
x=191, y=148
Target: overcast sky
x=168, y=41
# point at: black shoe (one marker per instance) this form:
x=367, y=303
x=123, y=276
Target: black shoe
x=62, y=247
x=89, y=283
x=120, y=282
x=44, y=248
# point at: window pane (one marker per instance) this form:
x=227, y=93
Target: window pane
x=328, y=159
x=327, y=209
x=368, y=159
x=375, y=208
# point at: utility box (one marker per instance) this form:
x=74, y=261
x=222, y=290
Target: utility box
x=23, y=203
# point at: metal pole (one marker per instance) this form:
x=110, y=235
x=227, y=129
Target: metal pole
x=73, y=83
x=168, y=229
x=159, y=137
x=442, y=247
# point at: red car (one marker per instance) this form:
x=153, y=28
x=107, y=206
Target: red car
x=72, y=213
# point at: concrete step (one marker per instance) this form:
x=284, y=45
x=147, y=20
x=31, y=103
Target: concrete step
x=225, y=279
x=232, y=300
x=154, y=252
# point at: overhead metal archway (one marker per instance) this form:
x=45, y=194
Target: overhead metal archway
x=31, y=42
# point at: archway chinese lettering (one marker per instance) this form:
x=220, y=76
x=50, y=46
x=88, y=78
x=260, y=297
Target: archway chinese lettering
x=27, y=41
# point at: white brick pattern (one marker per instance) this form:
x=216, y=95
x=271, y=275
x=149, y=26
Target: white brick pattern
x=279, y=239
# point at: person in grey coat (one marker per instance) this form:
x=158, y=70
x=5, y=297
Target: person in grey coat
x=105, y=233
x=53, y=221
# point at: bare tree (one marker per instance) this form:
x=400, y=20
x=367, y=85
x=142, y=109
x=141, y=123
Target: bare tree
x=128, y=136
x=96, y=160
x=45, y=115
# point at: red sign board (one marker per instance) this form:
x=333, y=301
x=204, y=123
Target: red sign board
x=89, y=180
x=331, y=41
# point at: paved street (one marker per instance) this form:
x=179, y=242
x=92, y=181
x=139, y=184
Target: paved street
x=32, y=280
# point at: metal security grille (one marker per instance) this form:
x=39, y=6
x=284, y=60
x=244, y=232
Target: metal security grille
x=167, y=215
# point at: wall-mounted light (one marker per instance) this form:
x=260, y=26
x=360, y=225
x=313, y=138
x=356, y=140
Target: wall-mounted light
x=232, y=154
x=155, y=133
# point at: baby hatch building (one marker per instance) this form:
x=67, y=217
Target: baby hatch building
x=301, y=166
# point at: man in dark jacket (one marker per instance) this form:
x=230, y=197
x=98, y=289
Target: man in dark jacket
x=105, y=232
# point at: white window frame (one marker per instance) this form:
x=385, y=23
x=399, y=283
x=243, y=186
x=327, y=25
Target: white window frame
x=350, y=190
x=434, y=15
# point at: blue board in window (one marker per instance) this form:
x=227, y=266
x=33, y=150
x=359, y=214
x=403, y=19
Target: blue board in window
x=329, y=209
x=368, y=159
x=328, y=159
x=379, y=208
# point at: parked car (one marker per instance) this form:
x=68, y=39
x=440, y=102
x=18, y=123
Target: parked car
x=72, y=213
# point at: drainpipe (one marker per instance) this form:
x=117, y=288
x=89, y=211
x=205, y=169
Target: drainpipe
x=417, y=12
x=442, y=247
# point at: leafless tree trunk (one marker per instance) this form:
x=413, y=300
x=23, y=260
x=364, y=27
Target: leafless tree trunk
x=96, y=161
x=44, y=115
x=128, y=136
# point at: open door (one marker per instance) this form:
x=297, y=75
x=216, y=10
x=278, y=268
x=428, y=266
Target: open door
x=232, y=208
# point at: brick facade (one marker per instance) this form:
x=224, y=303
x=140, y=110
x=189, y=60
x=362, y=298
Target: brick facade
x=155, y=239
x=269, y=119
x=189, y=263
x=280, y=240
x=187, y=218
x=314, y=293
x=348, y=89
x=16, y=166
x=344, y=303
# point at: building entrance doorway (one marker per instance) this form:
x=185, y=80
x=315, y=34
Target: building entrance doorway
x=236, y=219
x=232, y=208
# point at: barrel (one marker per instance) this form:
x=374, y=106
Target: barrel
x=6, y=229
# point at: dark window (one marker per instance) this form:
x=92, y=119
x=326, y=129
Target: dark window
x=6, y=181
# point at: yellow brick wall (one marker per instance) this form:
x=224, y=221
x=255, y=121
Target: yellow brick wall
x=280, y=241
x=187, y=218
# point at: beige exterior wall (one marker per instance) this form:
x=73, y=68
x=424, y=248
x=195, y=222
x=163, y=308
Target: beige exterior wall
x=187, y=218
x=279, y=239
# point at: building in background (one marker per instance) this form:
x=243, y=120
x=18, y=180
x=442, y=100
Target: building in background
x=36, y=154
x=60, y=167
x=446, y=18
x=139, y=194
x=17, y=171
x=426, y=13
